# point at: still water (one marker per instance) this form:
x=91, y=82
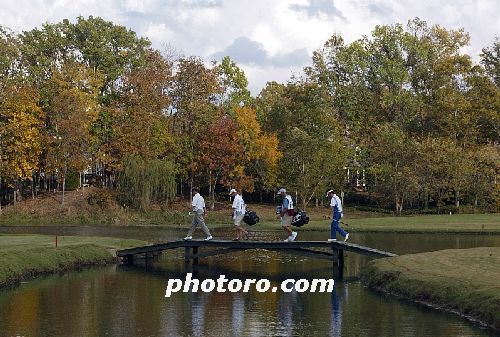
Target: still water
x=129, y=300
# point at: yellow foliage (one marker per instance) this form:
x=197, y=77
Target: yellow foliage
x=258, y=146
x=21, y=132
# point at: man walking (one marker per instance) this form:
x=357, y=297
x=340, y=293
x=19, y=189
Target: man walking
x=336, y=206
x=199, y=212
x=287, y=214
x=239, y=209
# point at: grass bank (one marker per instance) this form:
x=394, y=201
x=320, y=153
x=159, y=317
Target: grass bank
x=25, y=256
x=465, y=281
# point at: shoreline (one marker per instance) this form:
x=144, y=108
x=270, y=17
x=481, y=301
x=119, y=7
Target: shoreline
x=444, y=280
x=433, y=306
x=269, y=227
x=32, y=263
x=27, y=256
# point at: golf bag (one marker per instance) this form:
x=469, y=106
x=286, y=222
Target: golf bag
x=300, y=219
x=250, y=217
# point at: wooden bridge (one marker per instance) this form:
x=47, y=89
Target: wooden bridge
x=334, y=250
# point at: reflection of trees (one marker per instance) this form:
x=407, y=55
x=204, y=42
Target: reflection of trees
x=19, y=317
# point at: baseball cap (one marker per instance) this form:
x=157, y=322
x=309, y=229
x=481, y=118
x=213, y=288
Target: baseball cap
x=282, y=190
x=329, y=191
x=233, y=191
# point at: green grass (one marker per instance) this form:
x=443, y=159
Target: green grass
x=463, y=280
x=25, y=256
x=457, y=223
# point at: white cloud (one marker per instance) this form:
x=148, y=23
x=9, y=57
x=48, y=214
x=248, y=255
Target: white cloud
x=282, y=31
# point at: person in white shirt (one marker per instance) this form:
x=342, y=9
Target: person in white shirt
x=337, y=214
x=286, y=216
x=239, y=210
x=199, y=212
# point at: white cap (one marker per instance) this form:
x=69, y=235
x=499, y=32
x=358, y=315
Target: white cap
x=329, y=191
x=282, y=190
x=233, y=191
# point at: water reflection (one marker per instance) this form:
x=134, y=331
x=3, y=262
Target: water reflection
x=338, y=296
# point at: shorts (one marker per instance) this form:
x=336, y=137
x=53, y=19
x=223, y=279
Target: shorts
x=286, y=220
x=237, y=217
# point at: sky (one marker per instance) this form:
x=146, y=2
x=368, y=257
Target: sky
x=271, y=40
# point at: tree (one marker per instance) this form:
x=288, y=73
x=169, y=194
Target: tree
x=234, y=86
x=309, y=138
x=490, y=58
x=140, y=181
x=392, y=161
x=20, y=133
x=107, y=49
x=71, y=111
x=193, y=110
x=140, y=123
x=259, y=163
x=220, y=153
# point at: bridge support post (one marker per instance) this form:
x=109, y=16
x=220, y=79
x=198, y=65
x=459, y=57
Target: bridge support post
x=187, y=251
x=128, y=259
x=195, y=251
x=338, y=263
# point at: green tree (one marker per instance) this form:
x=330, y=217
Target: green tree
x=490, y=58
x=234, y=86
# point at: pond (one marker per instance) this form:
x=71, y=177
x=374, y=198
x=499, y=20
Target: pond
x=129, y=300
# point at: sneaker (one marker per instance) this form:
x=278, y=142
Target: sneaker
x=208, y=238
x=332, y=240
x=288, y=239
x=346, y=237
x=188, y=238
x=293, y=236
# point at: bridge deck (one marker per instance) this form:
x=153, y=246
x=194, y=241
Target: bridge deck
x=301, y=247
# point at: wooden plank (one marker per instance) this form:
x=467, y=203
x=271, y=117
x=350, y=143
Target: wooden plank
x=270, y=245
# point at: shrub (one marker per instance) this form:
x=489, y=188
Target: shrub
x=72, y=180
x=101, y=197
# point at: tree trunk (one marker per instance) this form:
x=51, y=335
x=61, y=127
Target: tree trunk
x=32, y=187
x=63, y=184
x=399, y=204
x=211, y=206
x=457, y=200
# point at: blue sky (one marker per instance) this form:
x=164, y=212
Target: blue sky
x=270, y=39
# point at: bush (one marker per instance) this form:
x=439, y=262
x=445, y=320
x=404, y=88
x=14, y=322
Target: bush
x=72, y=181
x=101, y=197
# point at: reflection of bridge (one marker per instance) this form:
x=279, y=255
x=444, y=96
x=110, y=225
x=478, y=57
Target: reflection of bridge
x=305, y=248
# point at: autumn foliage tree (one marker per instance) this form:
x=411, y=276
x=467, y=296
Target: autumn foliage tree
x=21, y=132
x=72, y=110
